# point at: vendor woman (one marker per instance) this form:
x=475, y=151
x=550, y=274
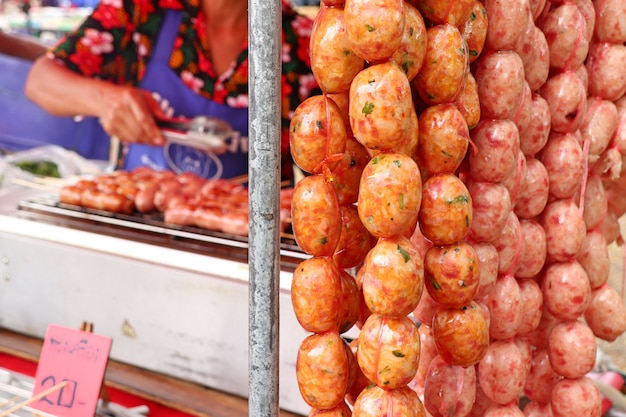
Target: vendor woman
x=133, y=61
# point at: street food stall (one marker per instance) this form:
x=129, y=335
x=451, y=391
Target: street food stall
x=450, y=250
x=174, y=299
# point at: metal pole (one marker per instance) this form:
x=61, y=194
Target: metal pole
x=265, y=44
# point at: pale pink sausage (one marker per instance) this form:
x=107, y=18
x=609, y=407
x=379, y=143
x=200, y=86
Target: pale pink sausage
x=595, y=201
x=598, y=125
x=611, y=227
x=566, y=96
x=524, y=46
x=541, y=378
x=537, y=66
x=539, y=337
x=481, y=404
x=588, y=11
x=566, y=290
x=428, y=350
x=619, y=136
x=605, y=64
x=426, y=309
x=502, y=358
x=496, y=150
x=594, y=258
x=449, y=390
x=609, y=165
x=491, y=205
x=533, y=197
x=526, y=350
x=564, y=160
x=565, y=229
x=509, y=410
x=536, y=7
x=509, y=245
x=532, y=306
x=565, y=29
x=582, y=73
x=615, y=196
x=535, y=409
x=606, y=314
x=419, y=240
x=568, y=337
x=507, y=23
x=610, y=23
x=534, y=138
x=576, y=397
x=524, y=112
x=488, y=258
x=500, y=79
x=504, y=302
x=516, y=180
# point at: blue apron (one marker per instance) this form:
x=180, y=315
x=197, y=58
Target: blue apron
x=160, y=78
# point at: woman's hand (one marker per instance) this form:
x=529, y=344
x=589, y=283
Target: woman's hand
x=125, y=112
x=128, y=113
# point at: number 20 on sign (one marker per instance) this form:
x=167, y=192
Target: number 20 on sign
x=77, y=360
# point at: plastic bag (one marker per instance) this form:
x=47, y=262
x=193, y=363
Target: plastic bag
x=68, y=163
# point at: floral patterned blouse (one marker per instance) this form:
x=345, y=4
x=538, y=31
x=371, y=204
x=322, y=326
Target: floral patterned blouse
x=115, y=43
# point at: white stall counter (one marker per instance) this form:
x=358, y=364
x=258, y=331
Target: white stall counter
x=180, y=313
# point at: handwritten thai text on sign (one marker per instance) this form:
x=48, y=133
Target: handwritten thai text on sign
x=78, y=358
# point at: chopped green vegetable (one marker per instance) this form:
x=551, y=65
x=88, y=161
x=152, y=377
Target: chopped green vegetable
x=368, y=107
x=459, y=199
x=41, y=168
x=404, y=253
x=435, y=284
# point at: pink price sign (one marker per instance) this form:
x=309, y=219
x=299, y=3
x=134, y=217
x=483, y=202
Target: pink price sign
x=76, y=361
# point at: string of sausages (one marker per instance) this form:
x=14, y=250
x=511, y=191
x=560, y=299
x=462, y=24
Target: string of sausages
x=490, y=137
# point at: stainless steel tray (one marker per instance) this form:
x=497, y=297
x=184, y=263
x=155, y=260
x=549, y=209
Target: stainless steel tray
x=150, y=228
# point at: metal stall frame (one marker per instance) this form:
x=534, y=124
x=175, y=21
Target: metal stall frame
x=264, y=132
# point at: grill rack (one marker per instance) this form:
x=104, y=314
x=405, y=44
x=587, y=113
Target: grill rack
x=150, y=228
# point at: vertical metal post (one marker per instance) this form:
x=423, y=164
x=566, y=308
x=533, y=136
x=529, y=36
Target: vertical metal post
x=265, y=44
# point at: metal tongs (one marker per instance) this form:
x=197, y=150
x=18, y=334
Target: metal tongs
x=202, y=132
